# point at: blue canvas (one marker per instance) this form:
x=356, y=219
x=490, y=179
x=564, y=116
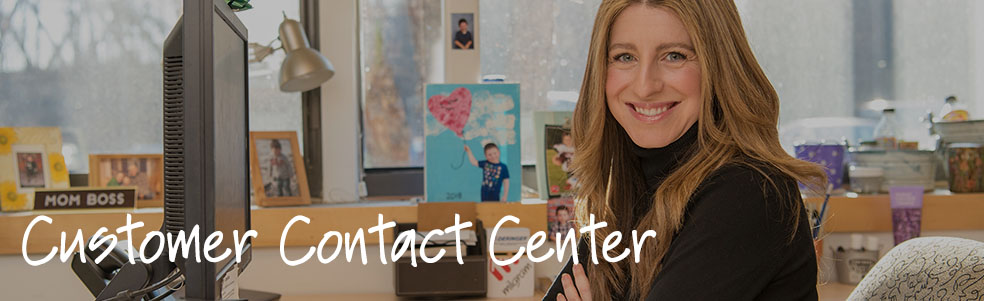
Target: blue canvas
x=472, y=115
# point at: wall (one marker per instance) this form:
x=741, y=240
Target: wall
x=977, y=63
x=339, y=102
x=461, y=66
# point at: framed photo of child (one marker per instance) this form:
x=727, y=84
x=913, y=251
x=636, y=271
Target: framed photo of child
x=560, y=217
x=144, y=171
x=30, y=167
x=462, y=25
x=277, y=169
x=472, y=143
x=558, y=154
x=30, y=159
x=555, y=151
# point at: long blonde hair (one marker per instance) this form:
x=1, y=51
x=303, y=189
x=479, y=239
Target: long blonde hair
x=737, y=124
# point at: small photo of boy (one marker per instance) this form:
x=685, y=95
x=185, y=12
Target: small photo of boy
x=559, y=154
x=495, y=174
x=461, y=31
x=560, y=217
x=30, y=169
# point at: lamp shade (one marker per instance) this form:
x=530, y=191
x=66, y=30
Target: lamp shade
x=304, y=68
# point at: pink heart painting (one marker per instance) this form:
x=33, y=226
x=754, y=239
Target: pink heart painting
x=452, y=111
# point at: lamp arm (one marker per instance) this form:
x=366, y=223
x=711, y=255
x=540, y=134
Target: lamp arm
x=260, y=52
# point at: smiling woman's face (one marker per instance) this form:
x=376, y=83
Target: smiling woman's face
x=653, y=82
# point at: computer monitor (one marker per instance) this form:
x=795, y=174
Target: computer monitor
x=206, y=132
x=206, y=184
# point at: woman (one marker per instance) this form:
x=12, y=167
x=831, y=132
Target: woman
x=676, y=132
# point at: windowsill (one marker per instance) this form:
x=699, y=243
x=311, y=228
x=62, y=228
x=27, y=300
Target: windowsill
x=269, y=222
x=861, y=213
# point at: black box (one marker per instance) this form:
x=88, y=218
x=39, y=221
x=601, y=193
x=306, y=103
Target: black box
x=446, y=278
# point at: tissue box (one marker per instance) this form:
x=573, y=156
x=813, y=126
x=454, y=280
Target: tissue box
x=512, y=280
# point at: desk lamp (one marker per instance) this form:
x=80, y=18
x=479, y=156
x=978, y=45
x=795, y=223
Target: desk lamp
x=304, y=68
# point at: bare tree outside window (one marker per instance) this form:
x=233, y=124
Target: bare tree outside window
x=93, y=69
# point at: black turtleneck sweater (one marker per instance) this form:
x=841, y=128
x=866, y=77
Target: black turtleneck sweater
x=735, y=240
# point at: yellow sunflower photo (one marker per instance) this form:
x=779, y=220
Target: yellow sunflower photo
x=10, y=200
x=7, y=138
x=59, y=172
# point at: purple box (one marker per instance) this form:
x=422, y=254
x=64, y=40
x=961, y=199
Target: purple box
x=830, y=156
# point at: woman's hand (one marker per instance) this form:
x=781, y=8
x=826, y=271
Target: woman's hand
x=580, y=292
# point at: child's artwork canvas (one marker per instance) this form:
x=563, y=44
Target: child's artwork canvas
x=555, y=151
x=472, y=140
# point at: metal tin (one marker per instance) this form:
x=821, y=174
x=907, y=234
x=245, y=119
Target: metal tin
x=966, y=167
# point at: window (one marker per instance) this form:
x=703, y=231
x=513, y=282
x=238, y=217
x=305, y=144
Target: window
x=92, y=68
x=837, y=63
x=543, y=45
x=401, y=51
x=269, y=108
x=833, y=63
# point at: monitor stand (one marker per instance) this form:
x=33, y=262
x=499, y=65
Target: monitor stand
x=252, y=295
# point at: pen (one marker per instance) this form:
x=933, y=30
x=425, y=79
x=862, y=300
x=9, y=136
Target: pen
x=823, y=210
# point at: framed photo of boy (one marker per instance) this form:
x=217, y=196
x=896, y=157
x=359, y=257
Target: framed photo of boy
x=558, y=154
x=560, y=217
x=462, y=31
x=31, y=163
x=277, y=169
x=30, y=159
x=145, y=171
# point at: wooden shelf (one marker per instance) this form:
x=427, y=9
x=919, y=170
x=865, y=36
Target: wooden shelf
x=942, y=210
x=846, y=213
x=268, y=222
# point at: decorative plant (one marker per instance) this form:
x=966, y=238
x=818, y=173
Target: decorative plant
x=239, y=5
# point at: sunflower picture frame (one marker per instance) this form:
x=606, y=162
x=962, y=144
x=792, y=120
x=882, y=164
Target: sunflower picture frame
x=30, y=158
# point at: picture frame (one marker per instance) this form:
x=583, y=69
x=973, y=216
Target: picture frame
x=277, y=171
x=30, y=162
x=462, y=30
x=472, y=143
x=553, y=179
x=30, y=158
x=558, y=154
x=144, y=171
x=560, y=217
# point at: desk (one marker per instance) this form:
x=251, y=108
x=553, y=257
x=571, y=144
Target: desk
x=835, y=291
x=942, y=210
x=828, y=292
x=380, y=297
